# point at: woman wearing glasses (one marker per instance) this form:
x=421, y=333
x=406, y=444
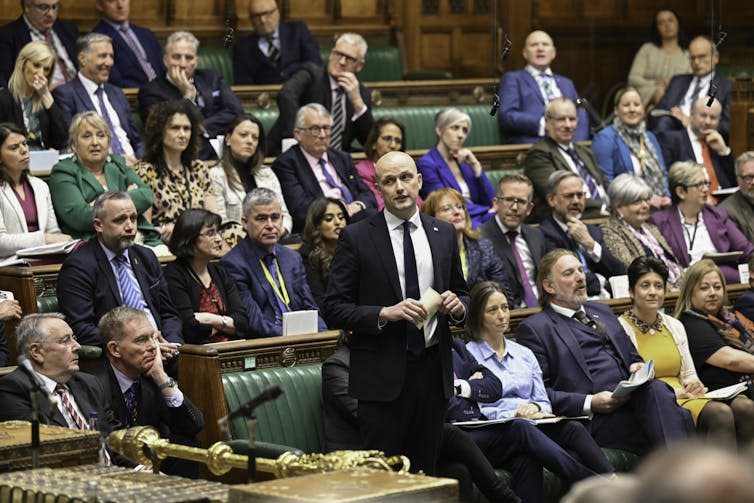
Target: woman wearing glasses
x=694, y=228
x=387, y=135
x=203, y=293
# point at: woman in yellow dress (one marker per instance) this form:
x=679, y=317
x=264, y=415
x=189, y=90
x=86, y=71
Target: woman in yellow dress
x=662, y=338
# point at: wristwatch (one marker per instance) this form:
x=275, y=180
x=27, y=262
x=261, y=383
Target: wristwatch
x=170, y=383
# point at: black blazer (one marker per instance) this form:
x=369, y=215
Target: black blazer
x=676, y=146
x=317, y=282
x=126, y=70
x=556, y=237
x=673, y=97
x=339, y=408
x=185, y=294
x=301, y=188
x=87, y=290
x=533, y=237
x=311, y=84
x=365, y=278
x=52, y=123
x=4, y=355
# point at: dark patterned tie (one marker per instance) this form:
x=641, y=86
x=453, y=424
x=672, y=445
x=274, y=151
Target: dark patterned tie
x=529, y=298
x=591, y=183
x=336, y=133
x=273, y=53
x=133, y=43
x=132, y=405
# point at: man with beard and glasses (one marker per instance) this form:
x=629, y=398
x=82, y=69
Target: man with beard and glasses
x=113, y=271
x=584, y=353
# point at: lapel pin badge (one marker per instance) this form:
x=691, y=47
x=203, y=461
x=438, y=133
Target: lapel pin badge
x=435, y=229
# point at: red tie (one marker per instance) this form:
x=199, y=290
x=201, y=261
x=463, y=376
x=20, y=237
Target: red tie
x=61, y=63
x=63, y=392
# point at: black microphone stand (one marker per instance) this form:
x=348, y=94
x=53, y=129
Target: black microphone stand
x=34, y=396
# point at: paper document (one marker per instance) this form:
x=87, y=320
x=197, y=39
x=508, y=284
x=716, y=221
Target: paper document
x=639, y=378
x=727, y=392
x=300, y=322
x=481, y=423
x=431, y=301
x=51, y=249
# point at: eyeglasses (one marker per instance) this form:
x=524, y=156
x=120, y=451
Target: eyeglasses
x=390, y=139
x=260, y=15
x=341, y=55
x=746, y=178
x=211, y=234
x=44, y=8
x=450, y=207
x=512, y=201
x=316, y=130
x=701, y=185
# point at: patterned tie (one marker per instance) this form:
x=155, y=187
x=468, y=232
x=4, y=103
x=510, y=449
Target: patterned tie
x=132, y=296
x=591, y=183
x=271, y=263
x=584, y=318
x=345, y=193
x=696, y=92
x=273, y=53
x=61, y=64
x=133, y=43
x=548, y=86
x=414, y=336
x=529, y=298
x=336, y=134
x=132, y=406
x=77, y=419
x=117, y=147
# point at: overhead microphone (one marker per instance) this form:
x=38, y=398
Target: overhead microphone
x=229, y=32
x=495, y=96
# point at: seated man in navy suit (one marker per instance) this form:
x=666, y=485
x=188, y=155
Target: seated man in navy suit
x=524, y=94
x=112, y=271
x=564, y=229
x=39, y=21
x=683, y=90
x=207, y=94
x=311, y=169
x=90, y=90
x=138, y=56
x=270, y=278
x=274, y=50
x=584, y=353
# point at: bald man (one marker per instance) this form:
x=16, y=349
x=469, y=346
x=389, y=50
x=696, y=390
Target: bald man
x=400, y=374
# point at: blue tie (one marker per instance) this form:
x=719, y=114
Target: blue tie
x=347, y=197
x=591, y=184
x=131, y=294
x=117, y=147
x=269, y=261
x=414, y=336
x=132, y=407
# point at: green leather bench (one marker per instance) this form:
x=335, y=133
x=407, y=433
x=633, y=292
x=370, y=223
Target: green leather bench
x=384, y=64
x=295, y=418
x=218, y=59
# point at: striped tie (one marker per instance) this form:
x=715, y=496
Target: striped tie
x=336, y=133
x=77, y=419
x=273, y=53
x=591, y=183
x=117, y=147
x=132, y=296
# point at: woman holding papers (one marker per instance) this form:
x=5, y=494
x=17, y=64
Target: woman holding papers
x=26, y=215
x=203, y=293
x=662, y=338
x=566, y=448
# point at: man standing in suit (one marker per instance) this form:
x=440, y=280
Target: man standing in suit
x=559, y=152
x=208, y=95
x=400, y=374
x=141, y=392
x=702, y=143
x=740, y=205
x=518, y=245
x=334, y=87
x=90, y=90
x=271, y=278
x=138, y=56
x=274, y=50
x=564, y=229
x=584, y=353
x=112, y=271
x=524, y=94
x=51, y=354
x=684, y=90
x=39, y=21
x=311, y=169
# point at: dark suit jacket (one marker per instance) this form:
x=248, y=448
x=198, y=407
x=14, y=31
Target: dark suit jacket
x=52, y=124
x=533, y=237
x=220, y=106
x=317, y=282
x=364, y=279
x=567, y=377
x=257, y=294
x=311, y=84
x=545, y=158
x=87, y=289
x=339, y=408
x=126, y=70
x=87, y=391
x=676, y=146
x=4, y=355
x=556, y=237
x=745, y=303
x=673, y=97
x=15, y=35
x=74, y=99
x=485, y=265
x=185, y=294
x=297, y=46
x=485, y=390
x=301, y=188
x=522, y=106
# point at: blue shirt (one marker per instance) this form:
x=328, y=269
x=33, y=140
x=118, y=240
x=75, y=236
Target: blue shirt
x=520, y=374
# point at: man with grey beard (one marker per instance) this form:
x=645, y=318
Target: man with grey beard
x=584, y=353
x=740, y=206
x=112, y=271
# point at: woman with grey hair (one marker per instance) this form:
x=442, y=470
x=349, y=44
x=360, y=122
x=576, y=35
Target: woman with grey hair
x=694, y=228
x=451, y=165
x=628, y=234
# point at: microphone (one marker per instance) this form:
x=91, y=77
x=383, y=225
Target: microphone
x=36, y=383
x=495, y=96
x=229, y=31
x=246, y=409
x=594, y=117
x=712, y=94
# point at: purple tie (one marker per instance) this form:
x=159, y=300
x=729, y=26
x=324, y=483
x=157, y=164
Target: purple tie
x=132, y=407
x=529, y=298
x=117, y=147
x=133, y=43
x=347, y=197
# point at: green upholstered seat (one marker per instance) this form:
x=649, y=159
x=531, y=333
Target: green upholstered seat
x=267, y=116
x=218, y=59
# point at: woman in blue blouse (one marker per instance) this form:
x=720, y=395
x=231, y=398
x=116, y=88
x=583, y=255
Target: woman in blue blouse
x=449, y=164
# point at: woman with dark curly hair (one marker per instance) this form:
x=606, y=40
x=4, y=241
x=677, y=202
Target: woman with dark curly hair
x=179, y=180
x=387, y=135
x=325, y=219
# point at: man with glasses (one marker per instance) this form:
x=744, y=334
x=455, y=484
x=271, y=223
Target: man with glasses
x=563, y=228
x=559, y=152
x=518, y=245
x=740, y=205
x=313, y=169
x=39, y=21
x=271, y=278
x=275, y=50
x=335, y=87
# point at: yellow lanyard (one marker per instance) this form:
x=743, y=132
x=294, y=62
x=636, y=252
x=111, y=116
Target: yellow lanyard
x=282, y=295
x=464, y=262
